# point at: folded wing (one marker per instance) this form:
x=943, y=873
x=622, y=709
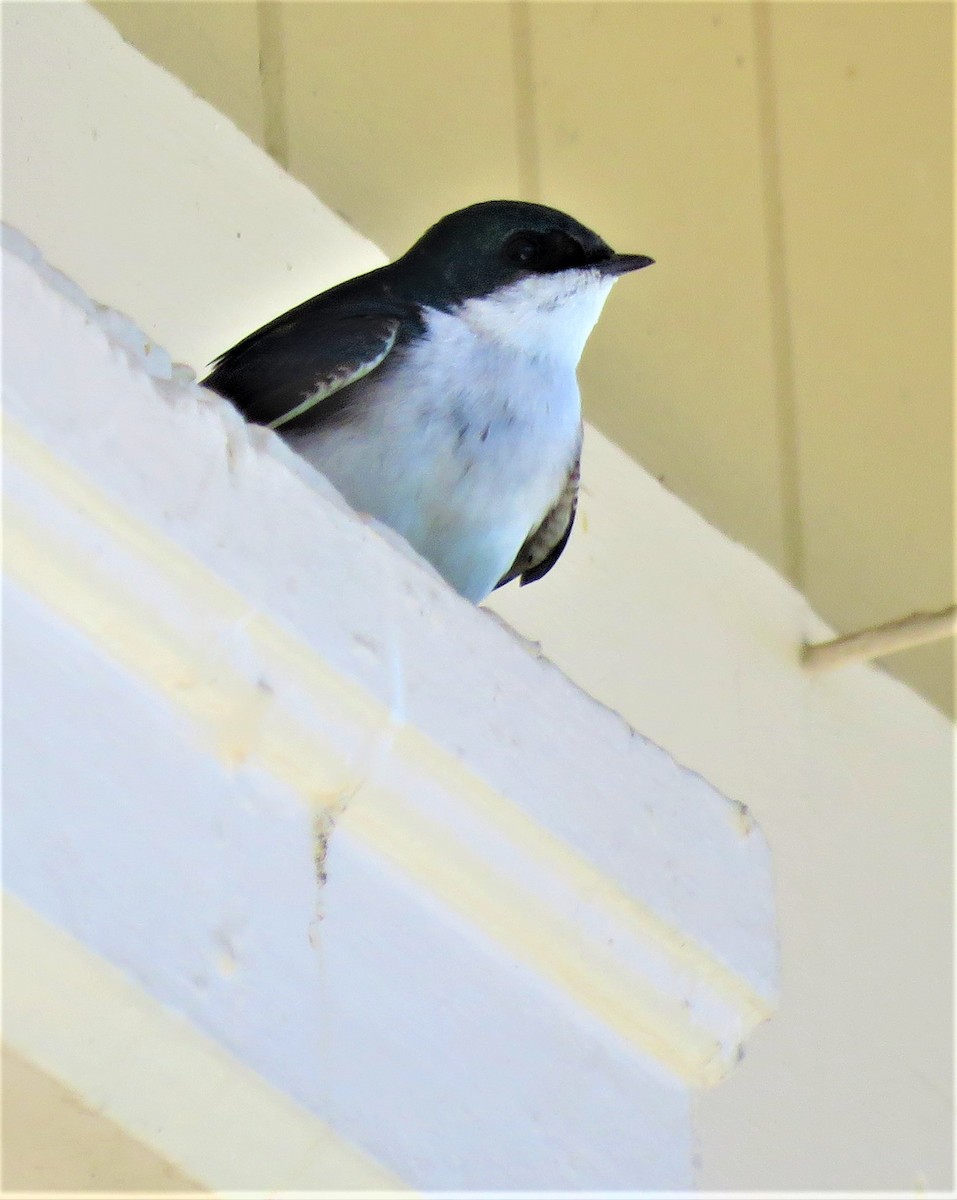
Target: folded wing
x=544, y=545
x=294, y=373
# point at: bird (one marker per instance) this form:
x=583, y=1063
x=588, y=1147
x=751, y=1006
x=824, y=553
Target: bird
x=439, y=393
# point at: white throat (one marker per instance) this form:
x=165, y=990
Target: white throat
x=546, y=316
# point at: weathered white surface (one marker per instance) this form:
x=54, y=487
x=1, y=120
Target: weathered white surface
x=690, y=637
x=79, y=1019
x=350, y=827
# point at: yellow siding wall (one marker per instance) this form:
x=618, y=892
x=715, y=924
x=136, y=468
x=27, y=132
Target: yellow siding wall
x=52, y=1142
x=787, y=365
x=864, y=135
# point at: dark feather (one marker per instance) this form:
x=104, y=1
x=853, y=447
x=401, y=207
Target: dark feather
x=303, y=360
x=544, y=545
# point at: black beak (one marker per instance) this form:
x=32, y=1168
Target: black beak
x=621, y=264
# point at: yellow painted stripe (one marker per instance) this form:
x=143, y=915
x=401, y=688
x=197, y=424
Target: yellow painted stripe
x=588, y=883
x=534, y=935
x=219, y=699
x=245, y=722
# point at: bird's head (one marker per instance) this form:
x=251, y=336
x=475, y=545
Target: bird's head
x=527, y=275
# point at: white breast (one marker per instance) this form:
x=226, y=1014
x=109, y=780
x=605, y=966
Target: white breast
x=463, y=441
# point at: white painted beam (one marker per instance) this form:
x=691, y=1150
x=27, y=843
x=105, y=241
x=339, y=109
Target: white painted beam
x=139, y=190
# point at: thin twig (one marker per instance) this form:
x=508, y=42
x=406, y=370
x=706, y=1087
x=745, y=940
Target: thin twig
x=879, y=640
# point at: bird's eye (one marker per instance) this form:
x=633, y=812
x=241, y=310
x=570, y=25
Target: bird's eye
x=544, y=252
x=521, y=249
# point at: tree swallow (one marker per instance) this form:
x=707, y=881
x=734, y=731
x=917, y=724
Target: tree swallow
x=439, y=393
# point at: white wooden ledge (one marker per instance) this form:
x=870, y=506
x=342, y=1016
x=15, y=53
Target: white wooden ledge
x=395, y=873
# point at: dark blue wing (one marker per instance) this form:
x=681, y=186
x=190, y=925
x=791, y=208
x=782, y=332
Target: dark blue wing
x=294, y=372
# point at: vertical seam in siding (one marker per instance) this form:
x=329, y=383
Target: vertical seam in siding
x=529, y=174
x=782, y=341
x=272, y=81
